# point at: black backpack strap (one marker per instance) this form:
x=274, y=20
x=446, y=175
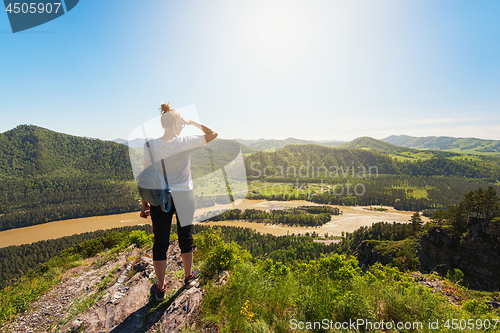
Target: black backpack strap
x=164, y=172
x=169, y=205
x=150, y=153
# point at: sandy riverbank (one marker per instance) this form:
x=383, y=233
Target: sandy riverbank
x=351, y=219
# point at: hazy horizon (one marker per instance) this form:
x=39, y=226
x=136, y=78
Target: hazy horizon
x=275, y=138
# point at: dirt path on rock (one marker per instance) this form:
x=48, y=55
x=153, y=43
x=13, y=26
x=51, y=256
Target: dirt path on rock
x=124, y=305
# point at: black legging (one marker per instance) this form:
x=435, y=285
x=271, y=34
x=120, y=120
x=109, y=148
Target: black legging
x=162, y=222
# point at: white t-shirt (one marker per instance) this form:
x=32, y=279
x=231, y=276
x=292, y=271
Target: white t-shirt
x=176, y=155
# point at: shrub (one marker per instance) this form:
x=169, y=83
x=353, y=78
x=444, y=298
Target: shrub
x=139, y=237
x=475, y=307
x=456, y=276
x=218, y=255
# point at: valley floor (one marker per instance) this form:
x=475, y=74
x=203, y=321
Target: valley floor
x=351, y=219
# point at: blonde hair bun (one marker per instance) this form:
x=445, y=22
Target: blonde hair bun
x=165, y=108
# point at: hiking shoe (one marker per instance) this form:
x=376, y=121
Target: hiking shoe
x=190, y=281
x=158, y=294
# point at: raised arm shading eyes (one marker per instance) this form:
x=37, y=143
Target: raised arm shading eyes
x=210, y=134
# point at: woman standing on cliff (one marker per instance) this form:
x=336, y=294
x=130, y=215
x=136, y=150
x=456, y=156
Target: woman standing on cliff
x=175, y=151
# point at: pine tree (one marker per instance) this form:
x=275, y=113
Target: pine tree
x=416, y=222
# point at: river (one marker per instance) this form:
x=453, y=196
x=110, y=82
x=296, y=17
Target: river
x=351, y=219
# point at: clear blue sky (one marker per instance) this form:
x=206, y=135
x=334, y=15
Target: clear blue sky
x=274, y=69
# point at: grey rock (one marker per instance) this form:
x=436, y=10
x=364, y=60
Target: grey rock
x=123, y=306
x=476, y=254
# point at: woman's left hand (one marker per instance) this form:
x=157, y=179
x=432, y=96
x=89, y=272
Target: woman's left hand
x=145, y=210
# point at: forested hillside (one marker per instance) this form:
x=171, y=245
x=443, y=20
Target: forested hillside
x=321, y=161
x=47, y=176
x=387, y=148
x=411, y=184
x=286, y=162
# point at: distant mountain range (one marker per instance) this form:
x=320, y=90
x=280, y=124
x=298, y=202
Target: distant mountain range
x=273, y=144
x=457, y=145
x=218, y=144
x=392, y=144
x=249, y=146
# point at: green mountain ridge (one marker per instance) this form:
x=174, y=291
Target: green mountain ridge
x=29, y=150
x=366, y=142
x=425, y=180
x=393, y=150
x=47, y=176
x=458, y=145
x=366, y=156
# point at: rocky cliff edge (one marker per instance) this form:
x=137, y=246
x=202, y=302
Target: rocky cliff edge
x=111, y=293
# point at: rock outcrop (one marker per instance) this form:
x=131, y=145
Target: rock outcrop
x=111, y=293
x=476, y=254
x=436, y=249
x=368, y=255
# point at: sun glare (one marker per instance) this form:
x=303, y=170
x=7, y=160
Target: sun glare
x=276, y=34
